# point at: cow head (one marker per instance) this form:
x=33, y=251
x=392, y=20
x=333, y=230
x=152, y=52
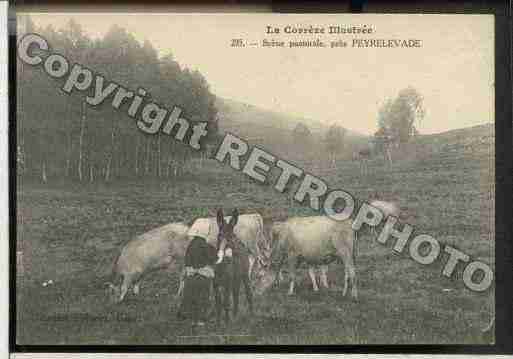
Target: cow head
x=267, y=271
x=226, y=235
x=264, y=279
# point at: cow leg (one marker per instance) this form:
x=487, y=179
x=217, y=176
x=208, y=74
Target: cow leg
x=181, y=285
x=324, y=276
x=351, y=271
x=251, y=263
x=311, y=273
x=278, y=278
x=180, y=288
x=350, y=278
x=345, y=252
x=346, y=281
x=292, y=264
x=137, y=288
x=291, y=287
x=127, y=280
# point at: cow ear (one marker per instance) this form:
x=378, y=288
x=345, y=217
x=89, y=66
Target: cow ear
x=235, y=218
x=220, y=218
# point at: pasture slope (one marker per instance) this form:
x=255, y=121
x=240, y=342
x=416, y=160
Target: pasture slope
x=444, y=183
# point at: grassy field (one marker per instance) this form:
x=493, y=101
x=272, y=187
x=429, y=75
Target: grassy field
x=70, y=234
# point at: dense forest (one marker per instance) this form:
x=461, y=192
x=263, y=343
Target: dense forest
x=59, y=136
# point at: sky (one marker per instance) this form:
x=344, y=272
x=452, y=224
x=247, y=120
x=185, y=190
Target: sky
x=453, y=70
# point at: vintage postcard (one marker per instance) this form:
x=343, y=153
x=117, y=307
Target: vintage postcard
x=306, y=179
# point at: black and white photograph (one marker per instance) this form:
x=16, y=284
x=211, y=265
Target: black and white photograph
x=254, y=179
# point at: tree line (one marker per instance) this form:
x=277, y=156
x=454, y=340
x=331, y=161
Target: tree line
x=333, y=144
x=60, y=136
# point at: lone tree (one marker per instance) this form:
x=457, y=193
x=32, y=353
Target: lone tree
x=334, y=142
x=397, y=121
x=399, y=117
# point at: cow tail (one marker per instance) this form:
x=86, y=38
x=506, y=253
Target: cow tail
x=113, y=273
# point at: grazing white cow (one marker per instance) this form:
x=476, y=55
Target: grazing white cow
x=317, y=241
x=387, y=208
x=249, y=229
x=153, y=250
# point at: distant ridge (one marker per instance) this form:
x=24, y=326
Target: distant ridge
x=268, y=127
x=272, y=129
x=477, y=130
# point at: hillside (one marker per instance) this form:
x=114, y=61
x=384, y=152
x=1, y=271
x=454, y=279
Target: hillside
x=475, y=136
x=267, y=127
x=273, y=130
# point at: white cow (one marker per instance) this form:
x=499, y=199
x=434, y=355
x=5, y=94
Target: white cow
x=157, y=249
x=249, y=229
x=317, y=241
